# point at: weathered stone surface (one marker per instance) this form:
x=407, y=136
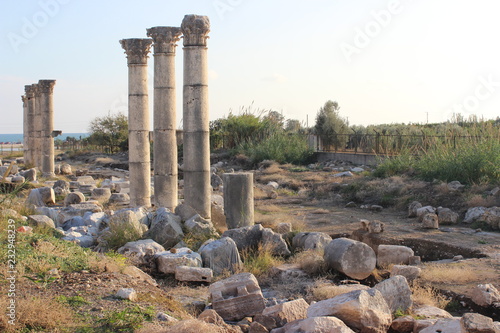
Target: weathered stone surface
x=473, y=214
x=41, y=196
x=167, y=261
x=455, y=185
x=237, y=297
x=373, y=227
x=396, y=293
x=95, y=219
x=125, y=220
x=141, y=250
x=18, y=179
x=139, y=274
x=220, y=255
x=212, y=317
x=195, y=274
x=74, y=198
x=61, y=184
x=29, y=175
x=101, y=194
x=355, y=259
x=485, y=295
x=447, y=216
x=66, y=169
x=430, y=312
x=245, y=237
x=420, y=324
x=315, y=325
x=83, y=240
x=430, y=221
x=76, y=221
x=185, y=211
x=165, y=229
x=393, y=254
x=409, y=272
x=403, y=324
x=121, y=199
x=425, y=210
x=287, y=312
x=197, y=225
x=41, y=221
x=77, y=210
x=492, y=217
x=238, y=199
x=127, y=293
x=477, y=323
x=284, y=228
x=450, y=325
x=311, y=240
x=256, y=327
x=268, y=322
x=287, y=271
x=361, y=310
x=215, y=181
x=275, y=242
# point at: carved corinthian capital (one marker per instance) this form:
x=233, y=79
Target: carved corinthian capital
x=164, y=38
x=46, y=86
x=137, y=49
x=195, y=29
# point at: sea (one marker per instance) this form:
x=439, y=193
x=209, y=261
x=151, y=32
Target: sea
x=18, y=138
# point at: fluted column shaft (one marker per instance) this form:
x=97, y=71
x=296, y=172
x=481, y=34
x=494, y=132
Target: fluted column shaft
x=196, y=140
x=165, y=118
x=46, y=88
x=29, y=121
x=138, y=121
x=25, y=128
x=37, y=128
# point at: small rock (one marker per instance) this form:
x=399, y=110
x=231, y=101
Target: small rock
x=127, y=293
x=161, y=316
x=430, y=221
x=485, y=295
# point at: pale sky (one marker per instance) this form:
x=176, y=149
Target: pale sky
x=384, y=61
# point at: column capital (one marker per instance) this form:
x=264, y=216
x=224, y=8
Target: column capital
x=164, y=38
x=136, y=49
x=24, y=98
x=29, y=91
x=46, y=86
x=195, y=29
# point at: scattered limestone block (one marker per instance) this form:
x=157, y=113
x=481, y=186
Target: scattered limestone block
x=477, y=323
x=373, y=227
x=139, y=274
x=120, y=199
x=141, y=249
x=161, y=316
x=212, y=317
x=430, y=221
x=167, y=261
x=41, y=197
x=220, y=255
x=41, y=221
x=409, y=272
x=393, y=254
x=413, y=207
x=315, y=325
x=245, y=237
x=275, y=242
x=193, y=274
x=284, y=228
x=403, y=324
x=447, y=216
x=352, y=258
x=237, y=297
x=74, y=198
x=287, y=312
x=425, y=210
x=431, y=312
x=361, y=310
x=311, y=240
x=101, y=194
x=485, y=295
x=396, y=292
x=127, y=293
x=165, y=229
x=449, y=325
x=197, y=225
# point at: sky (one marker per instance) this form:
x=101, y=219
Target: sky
x=383, y=61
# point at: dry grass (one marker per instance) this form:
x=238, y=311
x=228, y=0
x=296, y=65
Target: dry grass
x=259, y=262
x=323, y=289
x=479, y=200
x=273, y=168
x=192, y=326
x=311, y=262
x=449, y=274
x=39, y=314
x=426, y=295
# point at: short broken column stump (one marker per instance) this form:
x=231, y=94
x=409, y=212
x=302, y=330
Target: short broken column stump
x=237, y=297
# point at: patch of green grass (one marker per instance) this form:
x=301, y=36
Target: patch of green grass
x=74, y=301
x=259, y=261
x=127, y=320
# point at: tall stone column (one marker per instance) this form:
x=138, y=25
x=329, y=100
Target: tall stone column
x=46, y=88
x=25, y=128
x=165, y=140
x=37, y=158
x=197, y=188
x=137, y=50
x=29, y=122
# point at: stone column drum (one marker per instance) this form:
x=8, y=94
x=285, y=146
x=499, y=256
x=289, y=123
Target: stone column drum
x=137, y=50
x=238, y=199
x=196, y=141
x=25, y=128
x=37, y=128
x=30, y=125
x=46, y=88
x=165, y=140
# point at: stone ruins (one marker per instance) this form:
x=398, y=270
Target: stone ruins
x=39, y=132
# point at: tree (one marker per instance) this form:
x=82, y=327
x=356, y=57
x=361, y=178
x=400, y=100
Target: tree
x=330, y=126
x=293, y=125
x=110, y=131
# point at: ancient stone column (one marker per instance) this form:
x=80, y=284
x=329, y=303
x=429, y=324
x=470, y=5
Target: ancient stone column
x=29, y=122
x=238, y=199
x=37, y=128
x=196, y=142
x=165, y=140
x=137, y=50
x=46, y=88
x=25, y=128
